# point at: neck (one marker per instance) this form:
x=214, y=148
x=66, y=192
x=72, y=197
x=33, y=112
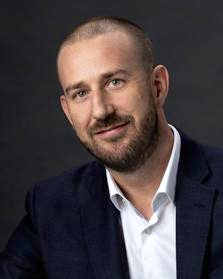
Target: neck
x=140, y=186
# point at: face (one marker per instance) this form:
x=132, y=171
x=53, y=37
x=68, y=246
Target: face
x=110, y=100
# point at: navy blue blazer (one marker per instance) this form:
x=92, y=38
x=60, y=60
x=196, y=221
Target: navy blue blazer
x=73, y=231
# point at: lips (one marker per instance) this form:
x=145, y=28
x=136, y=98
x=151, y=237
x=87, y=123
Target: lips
x=111, y=128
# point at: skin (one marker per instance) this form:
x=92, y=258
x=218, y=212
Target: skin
x=100, y=79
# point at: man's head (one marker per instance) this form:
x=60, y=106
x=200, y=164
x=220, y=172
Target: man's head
x=113, y=94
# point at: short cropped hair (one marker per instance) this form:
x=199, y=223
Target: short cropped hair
x=104, y=24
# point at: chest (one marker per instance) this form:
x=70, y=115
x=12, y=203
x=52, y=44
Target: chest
x=150, y=245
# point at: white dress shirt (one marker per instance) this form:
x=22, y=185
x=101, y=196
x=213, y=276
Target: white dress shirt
x=151, y=244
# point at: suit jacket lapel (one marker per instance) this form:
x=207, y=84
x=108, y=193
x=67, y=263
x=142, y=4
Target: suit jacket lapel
x=101, y=227
x=194, y=201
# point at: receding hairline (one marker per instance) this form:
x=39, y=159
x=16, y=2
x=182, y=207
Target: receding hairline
x=101, y=25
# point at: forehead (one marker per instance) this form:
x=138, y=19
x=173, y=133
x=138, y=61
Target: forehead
x=97, y=54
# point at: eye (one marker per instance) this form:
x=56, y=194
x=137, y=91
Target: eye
x=115, y=82
x=79, y=94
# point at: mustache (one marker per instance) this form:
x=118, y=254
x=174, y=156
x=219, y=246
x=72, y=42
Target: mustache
x=109, y=122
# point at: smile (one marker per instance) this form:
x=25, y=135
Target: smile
x=113, y=131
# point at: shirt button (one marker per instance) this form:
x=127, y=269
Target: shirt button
x=148, y=231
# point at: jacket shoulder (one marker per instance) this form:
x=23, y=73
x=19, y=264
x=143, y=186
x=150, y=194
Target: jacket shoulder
x=66, y=181
x=62, y=191
x=201, y=158
x=214, y=157
x=192, y=148
x=213, y=154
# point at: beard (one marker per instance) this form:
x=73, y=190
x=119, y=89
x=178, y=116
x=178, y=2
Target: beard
x=129, y=151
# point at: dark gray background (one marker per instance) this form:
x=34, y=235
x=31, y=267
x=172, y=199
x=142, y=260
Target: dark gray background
x=37, y=142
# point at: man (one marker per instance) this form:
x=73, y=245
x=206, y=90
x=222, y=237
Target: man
x=151, y=205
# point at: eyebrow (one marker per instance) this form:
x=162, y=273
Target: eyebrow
x=107, y=75
x=110, y=74
x=74, y=86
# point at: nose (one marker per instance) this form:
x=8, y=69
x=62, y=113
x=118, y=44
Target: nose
x=101, y=108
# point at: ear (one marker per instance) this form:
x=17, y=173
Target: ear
x=160, y=84
x=65, y=107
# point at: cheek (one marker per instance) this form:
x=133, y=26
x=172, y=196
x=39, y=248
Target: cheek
x=135, y=96
x=134, y=103
x=126, y=102
x=81, y=119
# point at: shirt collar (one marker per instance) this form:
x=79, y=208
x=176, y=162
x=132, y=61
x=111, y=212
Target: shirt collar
x=168, y=182
x=116, y=194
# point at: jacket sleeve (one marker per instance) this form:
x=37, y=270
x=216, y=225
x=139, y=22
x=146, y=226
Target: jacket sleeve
x=22, y=255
